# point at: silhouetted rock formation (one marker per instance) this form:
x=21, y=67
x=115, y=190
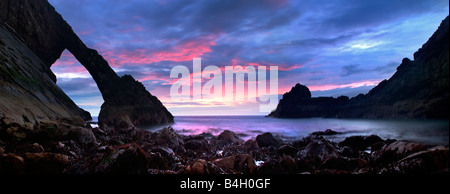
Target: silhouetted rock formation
x=298, y=103
x=419, y=89
x=46, y=33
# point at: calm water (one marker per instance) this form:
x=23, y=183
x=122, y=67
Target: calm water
x=247, y=127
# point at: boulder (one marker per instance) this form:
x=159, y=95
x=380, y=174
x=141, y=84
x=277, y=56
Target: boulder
x=266, y=140
x=287, y=150
x=403, y=147
x=284, y=165
x=126, y=159
x=46, y=163
x=242, y=163
x=342, y=163
x=168, y=137
x=48, y=129
x=124, y=125
x=326, y=132
x=228, y=136
x=431, y=161
x=197, y=145
x=395, y=151
x=158, y=160
x=201, y=166
x=72, y=120
x=12, y=130
x=360, y=143
x=11, y=164
x=319, y=148
x=250, y=145
x=68, y=128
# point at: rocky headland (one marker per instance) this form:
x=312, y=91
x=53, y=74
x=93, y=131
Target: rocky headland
x=418, y=89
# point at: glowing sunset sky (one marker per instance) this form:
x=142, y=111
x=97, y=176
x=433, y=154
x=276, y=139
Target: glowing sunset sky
x=340, y=47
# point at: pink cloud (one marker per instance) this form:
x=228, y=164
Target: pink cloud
x=67, y=63
x=184, y=51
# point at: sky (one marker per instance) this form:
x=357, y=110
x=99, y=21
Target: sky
x=340, y=47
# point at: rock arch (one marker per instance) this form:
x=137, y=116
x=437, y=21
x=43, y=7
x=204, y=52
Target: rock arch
x=47, y=34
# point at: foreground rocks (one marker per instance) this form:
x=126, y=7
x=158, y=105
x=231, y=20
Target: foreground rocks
x=69, y=146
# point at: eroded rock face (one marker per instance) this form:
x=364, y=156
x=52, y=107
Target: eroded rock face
x=27, y=92
x=47, y=35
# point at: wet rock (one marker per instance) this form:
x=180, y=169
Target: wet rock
x=12, y=130
x=287, y=150
x=164, y=151
x=167, y=136
x=63, y=130
x=242, y=163
x=100, y=134
x=250, y=145
x=403, y=147
x=46, y=163
x=319, y=148
x=80, y=134
x=158, y=161
x=228, y=136
x=126, y=159
x=48, y=129
x=201, y=166
x=70, y=148
x=266, y=140
x=288, y=164
x=341, y=163
x=376, y=146
x=284, y=165
x=12, y=164
x=35, y=148
x=348, y=152
x=197, y=145
x=326, y=132
x=72, y=120
x=431, y=161
x=396, y=151
x=124, y=125
x=360, y=143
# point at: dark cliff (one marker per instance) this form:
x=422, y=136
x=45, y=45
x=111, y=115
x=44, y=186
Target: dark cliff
x=418, y=89
x=47, y=35
x=27, y=92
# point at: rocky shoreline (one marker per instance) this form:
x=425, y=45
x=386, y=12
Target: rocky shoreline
x=71, y=146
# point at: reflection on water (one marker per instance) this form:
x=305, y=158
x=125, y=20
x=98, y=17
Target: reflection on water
x=424, y=131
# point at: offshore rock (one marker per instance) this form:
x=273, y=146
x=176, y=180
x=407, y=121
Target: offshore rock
x=266, y=140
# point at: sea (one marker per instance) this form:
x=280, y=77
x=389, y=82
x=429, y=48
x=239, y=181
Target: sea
x=434, y=132
x=426, y=131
